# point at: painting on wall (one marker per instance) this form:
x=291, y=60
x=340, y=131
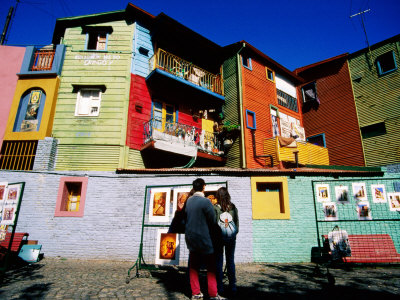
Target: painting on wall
x=330, y=211
x=30, y=122
x=322, y=191
x=378, y=193
x=167, y=248
x=363, y=210
x=180, y=197
x=13, y=191
x=359, y=191
x=8, y=214
x=394, y=201
x=210, y=193
x=159, y=206
x=342, y=194
x=3, y=191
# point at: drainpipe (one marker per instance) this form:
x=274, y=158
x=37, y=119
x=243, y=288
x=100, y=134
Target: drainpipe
x=241, y=119
x=253, y=133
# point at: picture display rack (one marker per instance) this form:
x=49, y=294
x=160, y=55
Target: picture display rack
x=19, y=186
x=154, y=224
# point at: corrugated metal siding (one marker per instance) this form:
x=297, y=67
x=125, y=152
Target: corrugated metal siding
x=135, y=160
x=336, y=115
x=270, y=148
x=140, y=62
x=87, y=157
x=377, y=100
x=111, y=69
x=231, y=107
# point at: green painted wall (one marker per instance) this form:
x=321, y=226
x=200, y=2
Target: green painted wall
x=377, y=100
x=93, y=143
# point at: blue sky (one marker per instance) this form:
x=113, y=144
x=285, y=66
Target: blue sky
x=293, y=33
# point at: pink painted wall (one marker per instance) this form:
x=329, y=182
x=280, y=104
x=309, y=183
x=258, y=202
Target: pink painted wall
x=10, y=61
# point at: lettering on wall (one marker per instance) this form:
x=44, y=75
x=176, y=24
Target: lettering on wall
x=97, y=59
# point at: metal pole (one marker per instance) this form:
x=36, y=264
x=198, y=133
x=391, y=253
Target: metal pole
x=6, y=25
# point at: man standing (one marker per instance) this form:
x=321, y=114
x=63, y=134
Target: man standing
x=200, y=225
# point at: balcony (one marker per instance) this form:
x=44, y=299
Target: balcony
x=43, y=60
x=307, y=153
x=181, y=140
x=174, y=76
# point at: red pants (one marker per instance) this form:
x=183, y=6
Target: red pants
x=195, y=261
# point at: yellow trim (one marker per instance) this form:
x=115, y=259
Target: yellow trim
x=273, y=204
x=50, y=88
x=164, y=113
x=266, y=74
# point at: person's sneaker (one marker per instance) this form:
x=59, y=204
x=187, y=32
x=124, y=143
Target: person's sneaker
x=198, y=296
x=218, y=297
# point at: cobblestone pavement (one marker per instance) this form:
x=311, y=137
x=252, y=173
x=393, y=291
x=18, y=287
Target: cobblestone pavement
x=53, y=278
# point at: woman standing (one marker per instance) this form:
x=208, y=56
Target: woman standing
x=230, y=215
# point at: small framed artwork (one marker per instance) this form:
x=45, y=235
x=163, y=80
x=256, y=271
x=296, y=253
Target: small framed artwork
x=323, y=194
x=159, y=204
x=359, y=191
x=3, y=191
x=180, y=197
x=8, y=214
x=330, y=211
x=13, y=191
x=210, y=192
x=342, y=194
x=378, y=193
x=363, y=210
x=394, y=201
x=167, y=248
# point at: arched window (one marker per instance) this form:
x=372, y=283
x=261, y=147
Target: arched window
x=30, y=111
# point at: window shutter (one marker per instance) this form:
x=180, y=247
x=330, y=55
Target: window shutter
x=84, y=103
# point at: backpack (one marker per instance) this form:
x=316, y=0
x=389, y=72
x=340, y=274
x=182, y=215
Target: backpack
x=228, y=227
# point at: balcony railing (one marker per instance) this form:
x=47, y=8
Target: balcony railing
x=186, y=70
x=177, y=133
x=43, y=60
x=308, y=154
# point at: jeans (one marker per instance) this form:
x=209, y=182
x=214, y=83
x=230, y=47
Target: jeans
x=195, y=261
x=230, y=265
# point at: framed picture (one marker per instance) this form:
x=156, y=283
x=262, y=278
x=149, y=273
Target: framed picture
x=167, y=248
x=8, y=214
x=3, y=191
x=378, y=193
x=210, y=192
x=322, y=192
x=330, y=211
x=394, y=201
x=180, y=197
x=13, y=191
x=159, y=204
x=363, y=210
x=359, y=191
x=342, y=194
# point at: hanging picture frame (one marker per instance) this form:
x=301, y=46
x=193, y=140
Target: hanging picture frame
x=3, y=191
x=179, y=198
x=167, y=248
x=342, y=194
x=394, y=201
x=210, y=192
x=8, y=214
x=378, y=193
x=323, y=194
x=364, y=211
x=13, y=191
x=359, y=191
x=159, y=204
x=330, y=211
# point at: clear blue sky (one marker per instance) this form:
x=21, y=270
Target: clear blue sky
x=293, y=33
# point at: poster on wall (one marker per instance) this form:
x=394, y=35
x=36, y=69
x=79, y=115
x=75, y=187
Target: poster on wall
x=167, y=248
x=330, y=211
x=363, y=211
x=359, y=191
x=159, y=204
x=3, y=190
x=342, y=194
x=394, y=201
x=3, y=232
x=13, y=191
x=8, y=214
x=275, y=125
x=179, y=198
x=290, y=127
x=323, y=194
x=378, y=193
x=210, y=192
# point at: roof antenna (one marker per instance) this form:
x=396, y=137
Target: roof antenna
x=365, y=31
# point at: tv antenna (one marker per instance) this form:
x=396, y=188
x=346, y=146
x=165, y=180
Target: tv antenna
x=363, y=25
x=7, y=25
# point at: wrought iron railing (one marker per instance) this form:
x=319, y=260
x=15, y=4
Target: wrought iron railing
x=186, y=70
x=43, y=60
x=180, y=133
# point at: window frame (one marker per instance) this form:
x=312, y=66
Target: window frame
x=316, y=135
x=267, y=70
x=164, y=113
x=378, y=63
x=60, y=210
x=248, y=60
x=93, y=34
x=80, y=99
x=373, y=133
x=253, y=114
x=315, y=89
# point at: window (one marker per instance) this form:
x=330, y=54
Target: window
x=251, y=119
x=164, y=115
x=270, y=198
x=373, y=130
x=18, y=155
x=97, y=37
x=286, y=100
x=318, y=140
x=310, y=92
x=30, y=111
x=270, y=74
x=246, y=61
x=71, y=197
x=88, y=103
x=386, y=63
x=144, y=51
x=274, y=119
